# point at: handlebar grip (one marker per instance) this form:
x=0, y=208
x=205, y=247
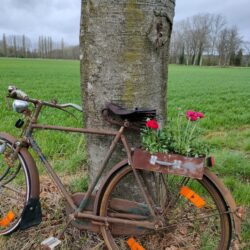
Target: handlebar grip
x=17, y=93
x=75, y=106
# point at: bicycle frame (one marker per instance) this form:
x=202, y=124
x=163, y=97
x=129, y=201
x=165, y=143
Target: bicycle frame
x=79, y=211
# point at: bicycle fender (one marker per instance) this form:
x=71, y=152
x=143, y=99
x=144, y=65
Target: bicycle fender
x=105, y=182
x=32, y=214
x=31, y=165
x=226, y=194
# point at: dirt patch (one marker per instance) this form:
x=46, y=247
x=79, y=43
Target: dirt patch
x=53, y=220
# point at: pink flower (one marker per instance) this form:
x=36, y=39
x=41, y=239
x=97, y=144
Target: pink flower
x=194, y=116
x=153, y=124
x=190, y=113
x=200, y=115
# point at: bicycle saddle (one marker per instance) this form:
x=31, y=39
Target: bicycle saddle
x=136, y=116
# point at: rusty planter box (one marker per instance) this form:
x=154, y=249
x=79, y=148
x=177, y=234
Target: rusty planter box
x=169, y=163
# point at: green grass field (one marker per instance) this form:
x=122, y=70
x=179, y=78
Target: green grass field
x=47, y=80
x=222, y=94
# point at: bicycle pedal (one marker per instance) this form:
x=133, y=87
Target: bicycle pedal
x=50, y=243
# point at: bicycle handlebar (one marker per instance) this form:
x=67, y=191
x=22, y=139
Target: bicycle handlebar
x=15, y=93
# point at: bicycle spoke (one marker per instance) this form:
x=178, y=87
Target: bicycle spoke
x=184, y=221
x=192, y=219
x=14, y=190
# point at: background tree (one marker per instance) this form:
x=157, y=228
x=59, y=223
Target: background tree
x=222, y=46
x=5, y=48
x=205, y=36
x=218, y=22
x=124, y=55
x=234, y=44
x=229, y=43
x=15, y=46
x=246, y=46
x=40, y=46
x=24, y=46
x=238, y=58
x=62, y=47
x=178, y=46
x=202, y=24
x=203, y=39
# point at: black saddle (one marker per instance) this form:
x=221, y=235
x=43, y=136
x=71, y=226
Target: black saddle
x=116, y=114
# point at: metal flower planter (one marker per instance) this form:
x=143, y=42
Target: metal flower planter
x=169, y=163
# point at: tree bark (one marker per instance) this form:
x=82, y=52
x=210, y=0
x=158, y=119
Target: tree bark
x=124, y=55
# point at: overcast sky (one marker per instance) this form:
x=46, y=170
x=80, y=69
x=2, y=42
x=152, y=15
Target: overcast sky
x=61, y=18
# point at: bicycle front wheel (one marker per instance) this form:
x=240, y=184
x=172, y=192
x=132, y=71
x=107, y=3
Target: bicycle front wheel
x=193, y=214
x=14, y=188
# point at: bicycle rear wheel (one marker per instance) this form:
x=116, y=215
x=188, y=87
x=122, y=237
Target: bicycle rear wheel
x=193, y=214
x=14, y=188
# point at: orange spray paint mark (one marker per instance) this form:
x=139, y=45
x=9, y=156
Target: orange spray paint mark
x=134, y=245
x=192, y=196
x=7, y=219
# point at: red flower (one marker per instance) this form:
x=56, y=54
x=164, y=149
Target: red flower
x=153, y=124
x=194, y=116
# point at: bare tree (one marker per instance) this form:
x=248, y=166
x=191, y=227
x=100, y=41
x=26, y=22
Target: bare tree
x=204, y=23
x=40, y=46
x=62, y=48
x=234, y=43
x=23, y=46
x=45, y=47
x=229, y=43
x=188, y=42
x=10, y=45
x=15, y=46
x=5, y=46
x=205, y=34
x=238, y=61
x=50, y=46
x=246, y=51
x=222, y=46
x=177, y=45
x=191, y=38
x=218, y=22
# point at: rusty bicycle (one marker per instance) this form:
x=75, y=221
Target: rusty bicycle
x=190, y=209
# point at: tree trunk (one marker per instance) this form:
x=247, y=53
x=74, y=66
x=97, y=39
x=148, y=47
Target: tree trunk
x=199, y=59
x=124, y=54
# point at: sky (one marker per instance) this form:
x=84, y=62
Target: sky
x=61, y=18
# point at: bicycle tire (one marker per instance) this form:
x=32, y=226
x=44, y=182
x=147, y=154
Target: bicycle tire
x=15, y=189
x=209, y=228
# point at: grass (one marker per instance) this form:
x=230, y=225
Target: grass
x=47, y=80
x=223, y=94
